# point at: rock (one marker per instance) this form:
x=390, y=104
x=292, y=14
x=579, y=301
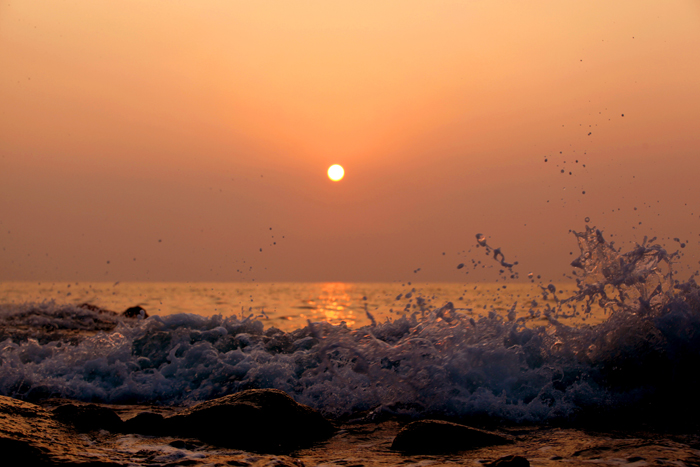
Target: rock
x=147, y=423
x=135, y=312
x=259, y=420
x=509, y=461
x=89, y=417
x=20, y=452
x=131, y=312
x=31, y=436
x=437, y=436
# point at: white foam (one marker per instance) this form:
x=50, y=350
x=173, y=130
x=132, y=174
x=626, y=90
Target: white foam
x=445, y=363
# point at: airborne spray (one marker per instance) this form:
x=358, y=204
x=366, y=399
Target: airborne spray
x=498, y=255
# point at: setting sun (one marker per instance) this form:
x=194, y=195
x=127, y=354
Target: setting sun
x=336, y=172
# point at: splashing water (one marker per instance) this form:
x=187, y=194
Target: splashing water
x=639, y=281
x=641, y=361
x=497, y=254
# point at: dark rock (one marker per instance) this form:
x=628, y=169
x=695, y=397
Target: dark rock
x=437, y=436
x=89, y=417
x=260, y=420
x=19, y=452
x=31, y=436
x=146, y=423
x=135, y=312
x=131, y=312
x=510, y=461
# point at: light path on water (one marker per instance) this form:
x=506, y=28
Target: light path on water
x=290, y=305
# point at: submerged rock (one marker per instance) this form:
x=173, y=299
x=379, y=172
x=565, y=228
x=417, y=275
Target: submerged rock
x=437, y=436
x=261, y=420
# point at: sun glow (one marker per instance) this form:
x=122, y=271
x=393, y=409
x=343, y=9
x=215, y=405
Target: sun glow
x=336, y=172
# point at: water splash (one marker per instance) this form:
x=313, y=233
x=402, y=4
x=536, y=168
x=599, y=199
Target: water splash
x=497, y=254
x=440, y=361
x=638, y=281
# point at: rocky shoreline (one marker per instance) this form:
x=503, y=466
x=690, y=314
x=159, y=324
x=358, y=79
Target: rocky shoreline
x=260, y=421
x=268, y=428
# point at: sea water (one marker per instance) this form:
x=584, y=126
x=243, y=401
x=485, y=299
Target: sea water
x=287, y=306
x=624, y=339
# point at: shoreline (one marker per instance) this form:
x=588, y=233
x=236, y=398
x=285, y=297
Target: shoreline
x=364, y=443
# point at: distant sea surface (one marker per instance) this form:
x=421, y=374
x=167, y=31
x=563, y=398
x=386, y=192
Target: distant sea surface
x=290, y=305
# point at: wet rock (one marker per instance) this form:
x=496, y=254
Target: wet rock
x=88, y=417
x=135, y=312
x=437, y=436
x=146, y=423
x=260, y=420
x=31, y=436
x=509, y=461
x=131, y=312
x=21, y=452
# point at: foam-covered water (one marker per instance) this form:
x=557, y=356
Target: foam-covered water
x=641, y=359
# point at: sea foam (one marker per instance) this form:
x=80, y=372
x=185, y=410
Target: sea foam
x=443, y=363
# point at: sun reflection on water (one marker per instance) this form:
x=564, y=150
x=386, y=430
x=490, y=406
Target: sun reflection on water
x=289, y=306
x=333, y=304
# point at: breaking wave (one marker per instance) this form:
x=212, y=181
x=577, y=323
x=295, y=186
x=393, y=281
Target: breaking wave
x=446, y=364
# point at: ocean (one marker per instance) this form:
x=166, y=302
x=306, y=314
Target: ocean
x=286, y=306
x=602, y=370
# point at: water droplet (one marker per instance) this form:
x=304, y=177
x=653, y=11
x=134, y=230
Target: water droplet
x=587, y=219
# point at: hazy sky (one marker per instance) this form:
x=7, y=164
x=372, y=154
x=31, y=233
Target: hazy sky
x=173, y=140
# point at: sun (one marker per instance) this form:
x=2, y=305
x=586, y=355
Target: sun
x=336, y=172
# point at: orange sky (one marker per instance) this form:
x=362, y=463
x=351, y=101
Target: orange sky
x=169, y=137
